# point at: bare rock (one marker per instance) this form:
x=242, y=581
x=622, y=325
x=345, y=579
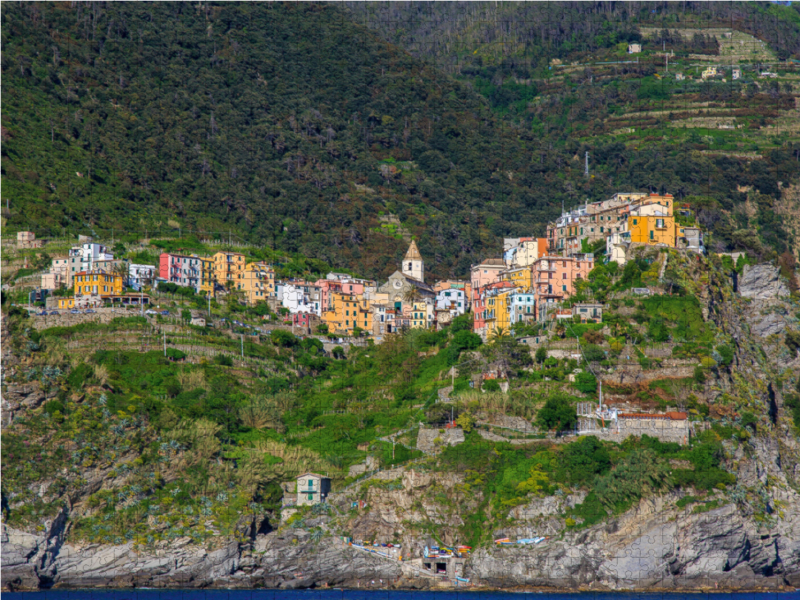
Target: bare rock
x=762, y=282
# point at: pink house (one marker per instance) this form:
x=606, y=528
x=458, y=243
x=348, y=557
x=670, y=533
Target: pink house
x=554, y=278
x=479, y=304
x=488, y=271
x=326, y=288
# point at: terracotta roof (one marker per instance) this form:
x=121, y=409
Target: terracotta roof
x=413, y=252
x=494, y=261
x=672, y=416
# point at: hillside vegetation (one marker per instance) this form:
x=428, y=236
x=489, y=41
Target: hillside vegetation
x=298, y=127
x=146, y=447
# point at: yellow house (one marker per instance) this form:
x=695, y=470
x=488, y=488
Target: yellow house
x=257, y=282
x=498, y=311
x=652, y=230
x=521, y=277
x=97, y=283
x=347, y=311
x=66, y=303
x=207, y=275
x=709, y=72
x=228, y=267
x=421, y=315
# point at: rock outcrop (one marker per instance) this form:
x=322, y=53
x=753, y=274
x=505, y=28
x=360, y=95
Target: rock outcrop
x=762, y=282
x=288, y=560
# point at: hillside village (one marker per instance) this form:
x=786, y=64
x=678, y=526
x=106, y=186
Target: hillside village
x=529, y=284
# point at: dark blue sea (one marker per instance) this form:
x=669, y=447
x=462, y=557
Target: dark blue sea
x=375, y=595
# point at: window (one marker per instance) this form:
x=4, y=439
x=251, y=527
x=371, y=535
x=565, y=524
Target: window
x=563, y=276
x=564, y=288
x=601, y=230
x=660, y=223
x=652, y=233
x=311, y=496
x=636, y=221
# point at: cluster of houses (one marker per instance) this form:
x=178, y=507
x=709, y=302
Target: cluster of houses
x=535, y=275
x=528, y=283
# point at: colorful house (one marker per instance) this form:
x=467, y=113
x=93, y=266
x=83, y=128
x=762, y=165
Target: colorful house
x=522, y=306
x=652, y=222
x=98, y=283
x=555, y=278
x=521, y=277
x=187, y=270
x=452, y=300
x=228, y=268
x=257, y=282
x=347, y=312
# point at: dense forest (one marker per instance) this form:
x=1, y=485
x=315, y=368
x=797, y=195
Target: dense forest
x=300, y=127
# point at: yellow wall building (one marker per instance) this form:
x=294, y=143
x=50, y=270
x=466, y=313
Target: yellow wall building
x=99, y=283
x=347, y=312
x=498, y=312
x=652, y=230
x=228, y=267
x=257, y=282
x=421, y=315
x=521, y=277
x=207, y=276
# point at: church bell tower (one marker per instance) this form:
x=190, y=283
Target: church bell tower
x=413, y=266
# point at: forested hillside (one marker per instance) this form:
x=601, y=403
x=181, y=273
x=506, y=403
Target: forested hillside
x=299, y=127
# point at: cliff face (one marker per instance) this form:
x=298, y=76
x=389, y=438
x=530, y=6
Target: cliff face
x=654, y=546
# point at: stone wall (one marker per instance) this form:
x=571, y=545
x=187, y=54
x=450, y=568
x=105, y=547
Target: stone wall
x=450, y=437
x=666, y=430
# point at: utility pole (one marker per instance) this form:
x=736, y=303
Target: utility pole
x=209, y=304
x=241, y=337
x=586, y=167
x=165, y=342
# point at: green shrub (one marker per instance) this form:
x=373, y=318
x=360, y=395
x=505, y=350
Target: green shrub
x=593, y=353
x=541, y=354
x=581, y=461
x=491, y=385
x=585, y=382
x=726, y=354
x=224, y=360
x=557, y=413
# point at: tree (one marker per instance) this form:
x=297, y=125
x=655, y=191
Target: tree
x=541, y=354
x=283, y=338
x=412, y=295
x=322, y=329
x=466, y=421
x=558, y=414
x=338, y=352
x=186, y=314
x=491, y=385
x=465, y=340
x=593, y=353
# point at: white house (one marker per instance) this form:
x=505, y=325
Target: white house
x=139, y=275
x=84, y=258
x=522, y=307
x=296, y=299
x=452, y=300
x=312, y=489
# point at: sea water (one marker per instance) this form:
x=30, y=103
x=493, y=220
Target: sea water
x=336, y=594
